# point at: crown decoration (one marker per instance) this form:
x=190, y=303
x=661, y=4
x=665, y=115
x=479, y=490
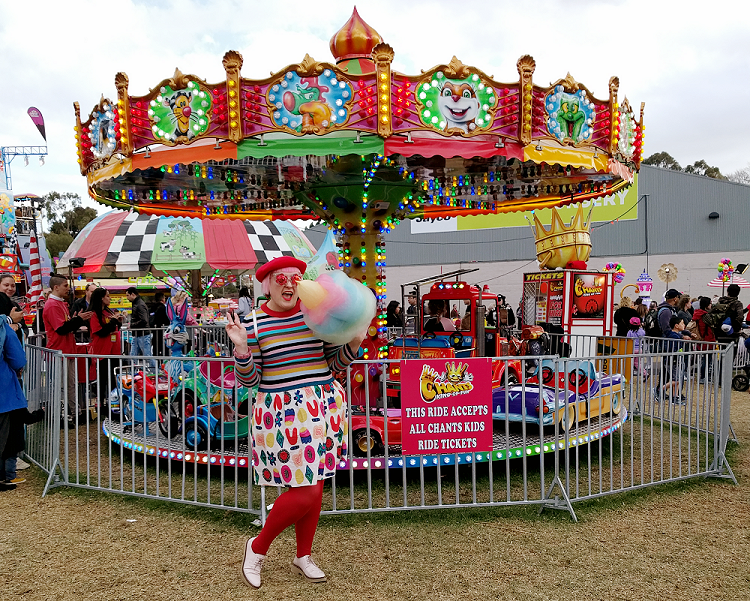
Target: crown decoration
x=455, y=373
x=561, y=244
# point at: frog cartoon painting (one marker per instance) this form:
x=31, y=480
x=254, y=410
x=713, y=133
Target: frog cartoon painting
x=570, y=117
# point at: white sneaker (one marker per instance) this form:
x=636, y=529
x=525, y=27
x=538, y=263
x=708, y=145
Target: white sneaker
x=251, y=565
x=21, y=464
x=305, y=566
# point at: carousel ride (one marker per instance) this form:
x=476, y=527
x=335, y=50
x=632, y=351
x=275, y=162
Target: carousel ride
x=358, y=146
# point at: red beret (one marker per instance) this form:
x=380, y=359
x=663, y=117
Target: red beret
x=279, y=263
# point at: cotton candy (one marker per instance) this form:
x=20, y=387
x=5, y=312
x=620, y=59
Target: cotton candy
x=336, y=307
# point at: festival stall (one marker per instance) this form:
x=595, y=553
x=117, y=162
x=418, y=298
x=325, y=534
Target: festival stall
x=179, y=252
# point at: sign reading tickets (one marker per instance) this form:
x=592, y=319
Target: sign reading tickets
x=445, y=406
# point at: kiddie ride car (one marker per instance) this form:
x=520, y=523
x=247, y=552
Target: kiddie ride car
x=208, y=404
x=142, y=398
x=567, y=396
x=472, y=338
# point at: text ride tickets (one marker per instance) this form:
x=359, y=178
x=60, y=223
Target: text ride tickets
x=446, y=406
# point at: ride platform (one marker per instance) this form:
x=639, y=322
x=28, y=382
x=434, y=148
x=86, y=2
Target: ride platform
x=510, y=444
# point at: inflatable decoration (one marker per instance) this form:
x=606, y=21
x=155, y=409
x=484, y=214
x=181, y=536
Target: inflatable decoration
x=619, y=271
x=562, y=245
x=726, y=269
x=336, y=307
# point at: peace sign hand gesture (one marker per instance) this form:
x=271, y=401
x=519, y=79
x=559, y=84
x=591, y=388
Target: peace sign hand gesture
x=237, y=334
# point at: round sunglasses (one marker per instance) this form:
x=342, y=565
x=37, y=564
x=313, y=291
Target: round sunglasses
x=282, y=279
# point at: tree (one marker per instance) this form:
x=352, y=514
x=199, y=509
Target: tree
x=67, y=218
x=58, y=243
x=703, y=168
x=741, y=176
x=663, y=160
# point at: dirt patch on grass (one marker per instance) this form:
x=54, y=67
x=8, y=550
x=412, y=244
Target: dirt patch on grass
x=687, y=540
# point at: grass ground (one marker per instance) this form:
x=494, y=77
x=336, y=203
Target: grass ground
x=687, y=540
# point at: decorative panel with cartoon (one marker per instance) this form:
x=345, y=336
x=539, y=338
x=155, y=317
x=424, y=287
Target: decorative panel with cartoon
x=100, y=135
x=571, y=115
x=180, y=115
x=456, y=105
x=310, y=105
x=103, y=131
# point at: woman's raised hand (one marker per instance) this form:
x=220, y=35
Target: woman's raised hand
x=237, y=334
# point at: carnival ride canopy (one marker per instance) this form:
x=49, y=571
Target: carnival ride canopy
x=357, y=144
x=128, y=244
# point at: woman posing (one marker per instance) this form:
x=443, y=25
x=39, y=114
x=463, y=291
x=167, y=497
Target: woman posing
x=299, y=417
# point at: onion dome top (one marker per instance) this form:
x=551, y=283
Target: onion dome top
x=355, y=39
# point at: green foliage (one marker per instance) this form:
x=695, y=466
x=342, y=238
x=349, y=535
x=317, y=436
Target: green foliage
x=703, y=168
x=58, y=243
x=67, y=218
x=664, y=160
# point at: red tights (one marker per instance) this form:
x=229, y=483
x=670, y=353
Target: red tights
x=299, y=506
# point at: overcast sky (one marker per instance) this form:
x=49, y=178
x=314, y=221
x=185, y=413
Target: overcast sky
x=689, y=61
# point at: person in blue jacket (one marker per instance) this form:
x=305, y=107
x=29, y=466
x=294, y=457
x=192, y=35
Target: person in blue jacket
x=12, y=399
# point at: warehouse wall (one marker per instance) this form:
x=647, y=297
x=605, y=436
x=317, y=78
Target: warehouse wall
x=672, y=226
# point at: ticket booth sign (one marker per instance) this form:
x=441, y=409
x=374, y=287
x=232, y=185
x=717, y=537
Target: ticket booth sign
x=446, y=406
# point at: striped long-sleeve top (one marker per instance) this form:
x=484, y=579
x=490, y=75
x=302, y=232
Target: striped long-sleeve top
x=286, y=354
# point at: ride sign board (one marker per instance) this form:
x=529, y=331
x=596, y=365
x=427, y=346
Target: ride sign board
x=589, y=295
x=446, y=406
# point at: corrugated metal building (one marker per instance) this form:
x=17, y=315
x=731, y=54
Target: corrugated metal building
x=673, y=225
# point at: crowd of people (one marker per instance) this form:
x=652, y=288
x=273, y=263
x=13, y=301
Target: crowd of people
x=63, y=323
x=677, y=320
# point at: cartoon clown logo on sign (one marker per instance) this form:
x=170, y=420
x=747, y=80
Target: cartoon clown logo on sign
x=456, y=105
x=453, y=381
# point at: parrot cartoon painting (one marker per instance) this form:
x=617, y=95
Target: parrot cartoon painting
x=306, y=102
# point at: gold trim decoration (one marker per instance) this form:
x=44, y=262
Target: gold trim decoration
x=561, y=244
x=382, y=55
x=526, y=66
x=123, y=110
x=614, y=86
x=232, y=62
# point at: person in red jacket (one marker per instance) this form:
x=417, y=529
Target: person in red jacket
x=704, y=330
x=105, y=340
x=61, y=328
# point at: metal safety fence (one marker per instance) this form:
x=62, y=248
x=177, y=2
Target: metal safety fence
x=563, y=429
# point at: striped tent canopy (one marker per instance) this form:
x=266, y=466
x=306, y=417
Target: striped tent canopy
x=128, y=244
x=735, y=279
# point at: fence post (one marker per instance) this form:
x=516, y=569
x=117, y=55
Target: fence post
x=55, y=381
x=720, y=465
x=563, y=503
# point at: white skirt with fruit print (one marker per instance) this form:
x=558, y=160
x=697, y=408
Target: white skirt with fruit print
x=299, y=435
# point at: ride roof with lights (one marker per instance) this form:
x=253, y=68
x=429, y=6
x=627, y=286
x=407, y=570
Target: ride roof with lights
x=316, y=139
